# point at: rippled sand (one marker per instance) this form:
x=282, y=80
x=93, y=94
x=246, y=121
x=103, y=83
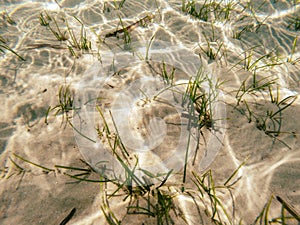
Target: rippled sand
x=35, y=195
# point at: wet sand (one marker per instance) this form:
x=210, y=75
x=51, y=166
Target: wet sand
x=35, y=195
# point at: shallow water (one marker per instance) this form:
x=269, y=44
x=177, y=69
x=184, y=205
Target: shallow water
x=114, y=76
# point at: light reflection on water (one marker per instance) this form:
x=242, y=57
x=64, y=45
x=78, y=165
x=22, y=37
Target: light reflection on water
x=28, y=88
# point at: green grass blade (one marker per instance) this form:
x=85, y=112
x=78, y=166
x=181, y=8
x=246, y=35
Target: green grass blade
x=34, y=164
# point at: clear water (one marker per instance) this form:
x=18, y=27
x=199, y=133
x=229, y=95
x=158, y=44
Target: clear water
x=115, y=77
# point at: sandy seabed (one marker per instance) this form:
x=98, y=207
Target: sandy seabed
x=31, y=194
